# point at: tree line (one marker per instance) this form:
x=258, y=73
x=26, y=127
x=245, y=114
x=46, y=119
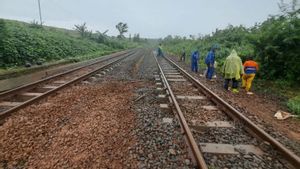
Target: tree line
x=275, y=44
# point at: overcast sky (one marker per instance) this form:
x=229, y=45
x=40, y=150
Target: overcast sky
x=150, y=18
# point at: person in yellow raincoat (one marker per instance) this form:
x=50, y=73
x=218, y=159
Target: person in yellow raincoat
x=232, y=70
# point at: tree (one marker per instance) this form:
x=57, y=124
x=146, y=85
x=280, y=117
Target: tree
x=193, y=37
x=122, y=28
x=101, y=37
x=288, y=7
x=136, y=37
x=35, y=24
x=277, y=46
x=168, y=38
x=82, y=29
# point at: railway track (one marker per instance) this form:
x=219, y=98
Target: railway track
x=20, y=97
x=217, y=134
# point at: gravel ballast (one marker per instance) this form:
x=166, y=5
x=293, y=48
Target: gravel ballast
x=78, y=128
x=97, y=124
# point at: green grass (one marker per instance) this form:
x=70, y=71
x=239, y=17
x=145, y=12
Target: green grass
x=22, y=42
x=294, y=104
x=20, y=70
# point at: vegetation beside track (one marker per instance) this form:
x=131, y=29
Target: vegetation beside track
x=22, y=43
x=294, y=104
x=274, y=43
x=21, y=70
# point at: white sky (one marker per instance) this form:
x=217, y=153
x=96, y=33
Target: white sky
x=150, y=18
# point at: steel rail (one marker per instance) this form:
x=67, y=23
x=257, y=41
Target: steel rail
x=8, y=112
x=235, y=114
x=191, y=140
x=33, y=84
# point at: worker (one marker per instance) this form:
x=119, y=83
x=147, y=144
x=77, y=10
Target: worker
x=232, y=71
x=183, y=54
x=209, y=61
x=194, y=60
x=250, y=68
x=159, y=51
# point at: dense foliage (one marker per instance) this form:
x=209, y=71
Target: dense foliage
x=277, y=47
x=275, y=44
x=122, y=28
x=22, y=42
x=294, y=104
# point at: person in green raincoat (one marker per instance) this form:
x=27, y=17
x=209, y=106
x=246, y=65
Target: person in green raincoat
x=232, y=70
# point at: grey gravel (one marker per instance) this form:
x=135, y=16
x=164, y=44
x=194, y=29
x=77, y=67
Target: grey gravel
x=160, y=145
x=233, y=136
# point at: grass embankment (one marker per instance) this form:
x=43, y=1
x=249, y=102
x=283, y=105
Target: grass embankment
x=21, y=70
x=22, y=43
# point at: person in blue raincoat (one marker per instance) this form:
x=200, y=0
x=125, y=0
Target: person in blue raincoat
x=194, y=60
x=210, y=61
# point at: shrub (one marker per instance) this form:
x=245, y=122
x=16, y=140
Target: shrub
x=274, y=44
x=294, y=104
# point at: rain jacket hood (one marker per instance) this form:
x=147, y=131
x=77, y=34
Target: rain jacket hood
x=210, y=58
x=195, y=55
x=233, y=67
